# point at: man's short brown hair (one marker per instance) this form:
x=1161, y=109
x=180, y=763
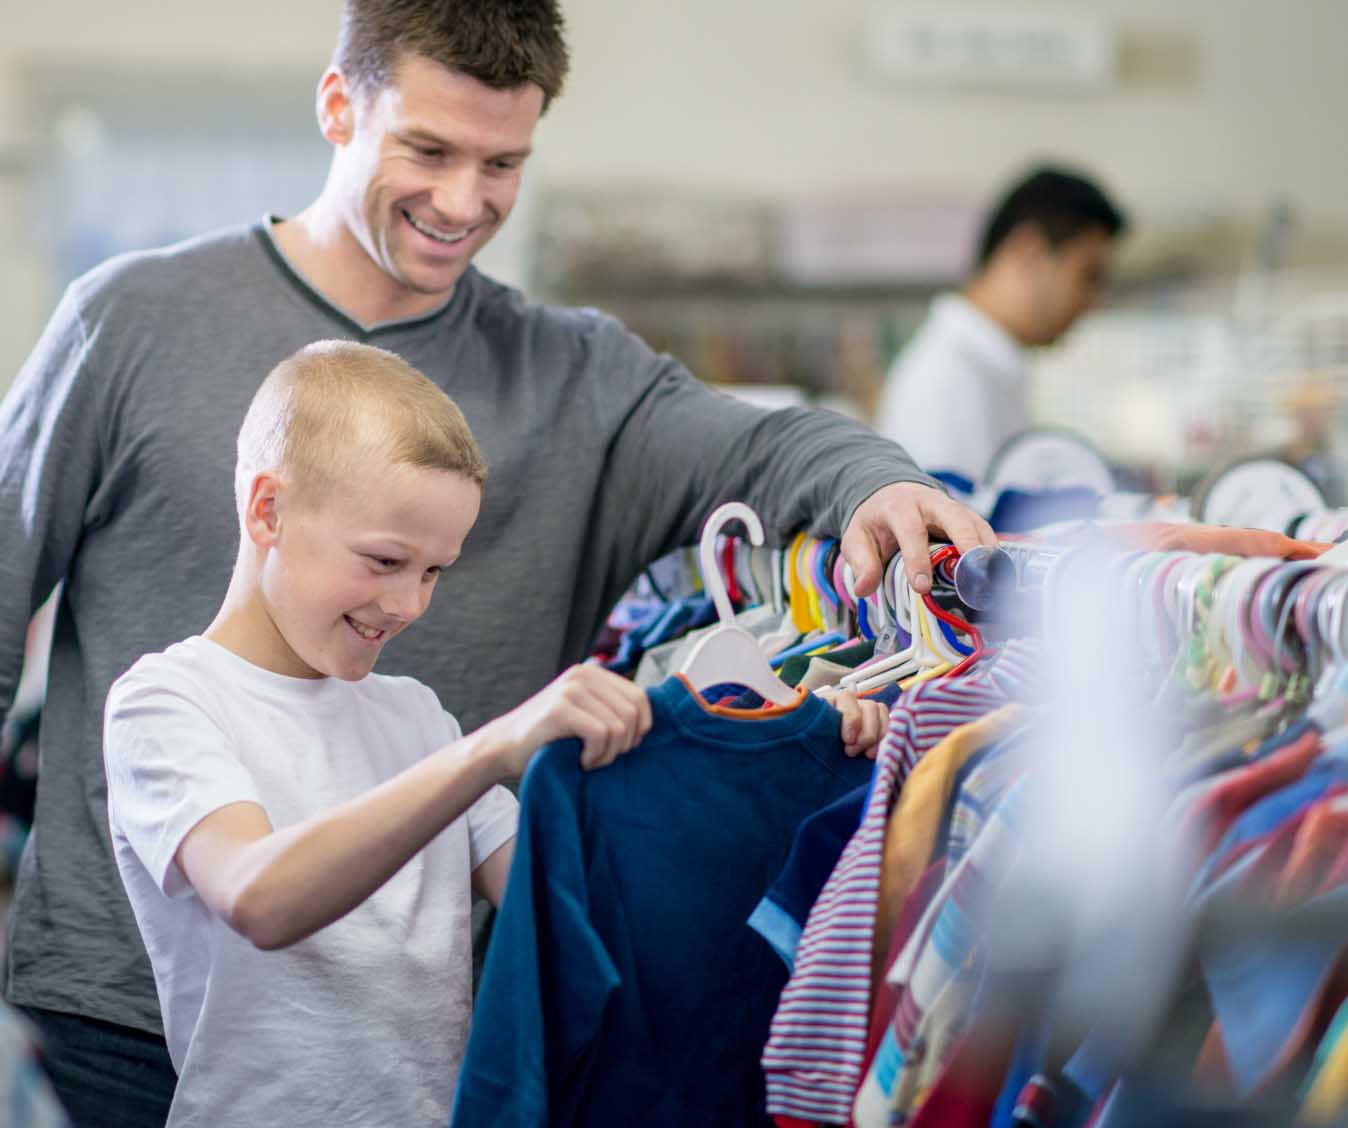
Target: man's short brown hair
x=332, y=413
x=501, y=43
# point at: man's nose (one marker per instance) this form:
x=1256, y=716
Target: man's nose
x=457, y=196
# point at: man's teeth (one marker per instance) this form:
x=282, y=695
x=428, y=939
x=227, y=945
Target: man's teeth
x=434, y=233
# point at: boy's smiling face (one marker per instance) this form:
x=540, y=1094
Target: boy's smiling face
x=342, y=577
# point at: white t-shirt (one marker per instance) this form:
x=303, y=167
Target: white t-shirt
x=365, y=1022
x=957, y=391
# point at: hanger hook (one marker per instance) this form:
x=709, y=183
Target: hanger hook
x=712, y=579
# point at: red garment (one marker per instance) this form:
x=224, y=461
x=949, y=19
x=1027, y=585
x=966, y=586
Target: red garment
x=1261, y=877
x=1214, y=812
x=886, y=1000
x=965, y=1094
x=1159, y=536
x=1323, y=834
x=1338, y=872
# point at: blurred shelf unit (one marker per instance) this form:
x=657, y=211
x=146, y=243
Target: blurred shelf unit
x=1259, y=364
x=818, y=294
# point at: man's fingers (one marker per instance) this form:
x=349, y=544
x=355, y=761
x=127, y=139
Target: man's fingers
x=962, y=527
x=916, y=551
x=860, y=550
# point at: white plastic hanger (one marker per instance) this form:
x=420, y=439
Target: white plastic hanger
x=728, y=654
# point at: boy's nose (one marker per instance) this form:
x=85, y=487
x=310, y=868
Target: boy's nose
x=405, y=602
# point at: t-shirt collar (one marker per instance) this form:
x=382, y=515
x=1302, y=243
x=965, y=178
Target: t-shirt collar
x=316, y=296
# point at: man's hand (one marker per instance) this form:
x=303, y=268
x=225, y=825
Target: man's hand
x=900, y=517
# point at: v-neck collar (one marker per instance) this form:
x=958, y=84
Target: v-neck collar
x=315, y=297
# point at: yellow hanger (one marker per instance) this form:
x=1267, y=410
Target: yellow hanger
x=798, y=598
x=807, y=553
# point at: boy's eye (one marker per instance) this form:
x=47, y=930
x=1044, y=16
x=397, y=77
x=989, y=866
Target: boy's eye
x=385, y=562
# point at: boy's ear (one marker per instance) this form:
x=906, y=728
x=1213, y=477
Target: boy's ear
x=262, y=510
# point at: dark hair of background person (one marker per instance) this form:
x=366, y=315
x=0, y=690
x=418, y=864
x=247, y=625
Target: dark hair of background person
x=1061, y=204
x=501, y=43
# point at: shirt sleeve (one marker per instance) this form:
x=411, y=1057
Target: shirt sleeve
x=684, y=448
x=49, y=469
x=493, y=819
x=169, y=765
x=492, y=822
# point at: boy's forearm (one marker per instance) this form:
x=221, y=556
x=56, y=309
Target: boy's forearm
x=299, y=879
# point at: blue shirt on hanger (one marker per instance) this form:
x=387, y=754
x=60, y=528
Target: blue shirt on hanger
x=622, y=985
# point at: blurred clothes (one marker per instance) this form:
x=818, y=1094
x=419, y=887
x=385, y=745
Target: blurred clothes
x=911, y=833
x=1019, y=511
x=1161, y=536
x=622, y=985
x=1327, y=1082
x=956, y=392
x=938, y=974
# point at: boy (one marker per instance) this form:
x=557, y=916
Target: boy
x=298, y=835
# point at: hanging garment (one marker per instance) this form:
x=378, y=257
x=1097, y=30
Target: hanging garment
x=623, y=985
x=781, y=914
x=1326, y=1087
x=813, y=1059
x=910, y=833
x=1160, y=536
x=938, y=971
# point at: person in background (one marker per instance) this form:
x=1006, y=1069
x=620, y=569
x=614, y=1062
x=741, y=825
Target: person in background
x=957, y=391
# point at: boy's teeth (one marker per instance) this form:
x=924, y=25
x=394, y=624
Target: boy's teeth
x=363, y=630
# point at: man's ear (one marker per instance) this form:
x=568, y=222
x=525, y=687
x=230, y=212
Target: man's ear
x=335, y=105
x=1027, y=244
x=262, y=510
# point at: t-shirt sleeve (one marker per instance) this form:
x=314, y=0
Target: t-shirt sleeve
x=492, y=822
x=493, y=819
x=169, y=765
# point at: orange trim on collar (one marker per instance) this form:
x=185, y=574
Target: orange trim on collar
x=759, y=714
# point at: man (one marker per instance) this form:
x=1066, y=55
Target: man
x=117, y=440
x=957, y=391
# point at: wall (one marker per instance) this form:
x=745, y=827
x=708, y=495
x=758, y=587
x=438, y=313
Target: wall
x=1223, y=104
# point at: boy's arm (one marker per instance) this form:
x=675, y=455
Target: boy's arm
x=277, y=887
x=489, y=879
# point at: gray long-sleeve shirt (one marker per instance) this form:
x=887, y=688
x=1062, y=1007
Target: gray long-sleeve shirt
x=116, y=472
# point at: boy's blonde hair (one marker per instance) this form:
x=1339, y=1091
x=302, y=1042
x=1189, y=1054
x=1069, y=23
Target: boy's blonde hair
x=322, y=414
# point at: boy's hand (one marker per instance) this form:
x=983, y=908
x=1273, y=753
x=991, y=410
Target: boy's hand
x=608, y=713
x=863, y=723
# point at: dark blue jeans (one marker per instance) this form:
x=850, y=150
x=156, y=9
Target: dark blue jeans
x=107, y=1076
